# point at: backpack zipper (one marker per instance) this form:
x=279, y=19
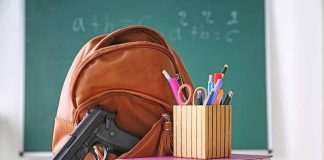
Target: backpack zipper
x=109, y=50
x=166, y=117
x=106, y=94
x=179, y=78
x=97, y=98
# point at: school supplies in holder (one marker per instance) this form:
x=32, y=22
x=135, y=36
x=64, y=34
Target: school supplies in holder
x=202, y=131
x=202, y=128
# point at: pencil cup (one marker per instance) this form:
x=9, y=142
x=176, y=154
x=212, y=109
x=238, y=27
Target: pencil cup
x=202, y=132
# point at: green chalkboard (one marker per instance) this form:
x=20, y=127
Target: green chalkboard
x=206, y=34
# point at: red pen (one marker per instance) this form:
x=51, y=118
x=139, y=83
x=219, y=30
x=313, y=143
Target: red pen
x=217, y=76
x=220, y=94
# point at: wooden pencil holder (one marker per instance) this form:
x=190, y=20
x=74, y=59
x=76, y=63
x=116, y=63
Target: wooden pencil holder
x=202, y=131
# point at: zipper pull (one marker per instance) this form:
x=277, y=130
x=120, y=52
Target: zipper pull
x=166, y=117
x=166, y=139
x=179, y=78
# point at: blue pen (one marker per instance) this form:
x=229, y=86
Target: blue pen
x=215, y=92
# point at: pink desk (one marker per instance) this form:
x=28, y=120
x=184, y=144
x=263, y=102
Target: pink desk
x=234, y=157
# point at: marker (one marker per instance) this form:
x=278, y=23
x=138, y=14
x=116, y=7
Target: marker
x=174, y=85
x=228, y=97
x=210, y=84
x=224, y=69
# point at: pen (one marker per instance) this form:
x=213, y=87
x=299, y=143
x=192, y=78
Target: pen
x=219, y=97
x=210, y=84
x=217, y=76
x=228, y=97
x=215, y=92
x=174, y=85
x=220, y=75
x=207, y=98
x=224, y=69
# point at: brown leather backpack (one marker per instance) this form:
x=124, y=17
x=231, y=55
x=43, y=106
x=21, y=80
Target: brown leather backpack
x=122, y=72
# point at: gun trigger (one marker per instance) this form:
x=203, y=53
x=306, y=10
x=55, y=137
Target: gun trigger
x=107, y=123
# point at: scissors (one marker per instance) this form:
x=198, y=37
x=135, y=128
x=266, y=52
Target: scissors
x=191, y=96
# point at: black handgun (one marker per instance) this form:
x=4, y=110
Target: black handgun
x=98, y=128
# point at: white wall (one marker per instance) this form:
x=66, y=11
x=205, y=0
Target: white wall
x=11, y=77
x=295, y=57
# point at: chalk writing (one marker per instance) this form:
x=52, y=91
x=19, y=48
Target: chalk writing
x=186, y=28
x=234, y=18
x=229, y=35
x=204, y=35
x=78, y=25
x=183, y=16
x=108, y=27
x=95, y=23
x=207, y=15
x=194, y=32
x=175, y=34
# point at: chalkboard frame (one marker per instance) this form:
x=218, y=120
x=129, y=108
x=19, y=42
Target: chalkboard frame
x=268, y=87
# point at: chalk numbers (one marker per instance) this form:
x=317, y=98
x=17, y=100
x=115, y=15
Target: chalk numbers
x=197, y=31
x=207, y=15
x=233, y=19
x=183, y=16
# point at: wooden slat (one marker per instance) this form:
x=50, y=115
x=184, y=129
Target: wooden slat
x=183, y=131
x=226, y=131
x=210, y=131
x=194, y=131
x=175, y=131
x=188, y=130
x=218, y=154
x=230, y=132
x=222, y=133
x=204, y=132
x=214, y=131
x=179, y=129
x=199, y=132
